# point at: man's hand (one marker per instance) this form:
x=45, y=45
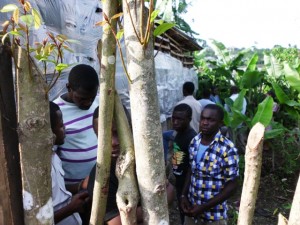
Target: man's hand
x=78, y=201
x=195, y=211
x=185, y=204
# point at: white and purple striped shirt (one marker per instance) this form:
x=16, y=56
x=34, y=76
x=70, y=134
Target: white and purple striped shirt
x=79, y=152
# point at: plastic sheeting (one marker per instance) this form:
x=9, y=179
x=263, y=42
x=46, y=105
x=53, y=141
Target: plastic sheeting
x=76, y=19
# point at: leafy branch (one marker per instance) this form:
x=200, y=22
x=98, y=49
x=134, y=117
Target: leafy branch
x=24, y=18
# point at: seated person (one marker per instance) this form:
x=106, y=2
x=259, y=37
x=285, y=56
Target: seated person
x=65, y=206
x=112, y=215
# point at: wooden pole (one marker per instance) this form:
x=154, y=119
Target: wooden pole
x=11, y=207
x=253, y=160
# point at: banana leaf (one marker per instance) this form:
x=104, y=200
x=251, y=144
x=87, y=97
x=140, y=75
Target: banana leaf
x=292, y=76
x=221, y=52
x=252, y=63
x=250, y=79
x=273, y=67
x=280, y=94
x=264, y=112
x=270, y=134
x=238, y=103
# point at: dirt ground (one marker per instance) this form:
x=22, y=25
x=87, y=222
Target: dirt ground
x=275, y=196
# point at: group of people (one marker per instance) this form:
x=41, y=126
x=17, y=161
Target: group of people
x=204, y=162
x=74, y=122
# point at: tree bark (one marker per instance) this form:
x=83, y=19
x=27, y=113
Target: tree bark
x=107, y=87
x=11, y=206
x=145, y=115
x=294, y=218
x=253, y=160
x=127, y=195
x=36, y=141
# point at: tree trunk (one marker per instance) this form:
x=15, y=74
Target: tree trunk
x=253, y=160
x=127, y=195
x=11, y=207
x=294, y=218
x=107, y=83
x=36, y=141
x=145, y=115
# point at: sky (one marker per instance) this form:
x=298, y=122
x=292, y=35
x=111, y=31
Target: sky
x=246, y=23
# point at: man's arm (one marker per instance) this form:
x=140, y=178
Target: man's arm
x=75, y=205
x=75, y=188
x=228, y=190
x=184, y=203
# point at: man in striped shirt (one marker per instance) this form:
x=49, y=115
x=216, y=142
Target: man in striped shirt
x=79, y=152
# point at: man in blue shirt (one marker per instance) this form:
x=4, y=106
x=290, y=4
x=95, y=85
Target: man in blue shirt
x=213, y=172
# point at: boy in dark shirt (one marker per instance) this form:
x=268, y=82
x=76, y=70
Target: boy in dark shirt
x=181, y=118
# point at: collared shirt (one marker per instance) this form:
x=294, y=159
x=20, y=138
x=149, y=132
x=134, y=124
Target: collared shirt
x=218, y=165
x=196, y=111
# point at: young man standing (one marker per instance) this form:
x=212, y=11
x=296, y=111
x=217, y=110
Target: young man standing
x=181, y=118
x=79, y=152
x=213, y=172
x=187, y=91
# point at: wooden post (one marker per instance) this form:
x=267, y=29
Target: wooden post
x=253, y=160
x=294, y=218
x=11, y=207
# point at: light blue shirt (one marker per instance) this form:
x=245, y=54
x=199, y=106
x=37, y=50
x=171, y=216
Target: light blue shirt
x=202, y=148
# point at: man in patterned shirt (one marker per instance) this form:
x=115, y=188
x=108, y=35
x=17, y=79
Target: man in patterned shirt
x=213, y=172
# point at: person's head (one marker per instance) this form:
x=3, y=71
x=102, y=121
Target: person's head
x=115, y=152
x=271, y=94
x=214, y=90
x=188, y=88
x=206, y=93
x=211, y=119
x=57, y=125
x=234, y=90
x=181, y=117
x=82, y=86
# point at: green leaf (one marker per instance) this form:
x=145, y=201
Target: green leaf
x=239, y=101
x=8, y=8
x=120, y=34
x=61, y=66
x=264, y=112
x=221, y=52
x=27, y=19
x=37, y=18
x=280, y=94
x=273, y=67
x=292, y=103
x=162, y=28
x=270, y=134
x=237, y=118
x=292, y=76
x=154, y=14
x=250, y=79
x=252, y=63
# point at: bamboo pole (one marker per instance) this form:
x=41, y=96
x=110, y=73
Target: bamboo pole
x=294, y=218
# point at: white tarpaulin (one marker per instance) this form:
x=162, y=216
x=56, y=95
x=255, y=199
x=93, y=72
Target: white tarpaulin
x=76, y=19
